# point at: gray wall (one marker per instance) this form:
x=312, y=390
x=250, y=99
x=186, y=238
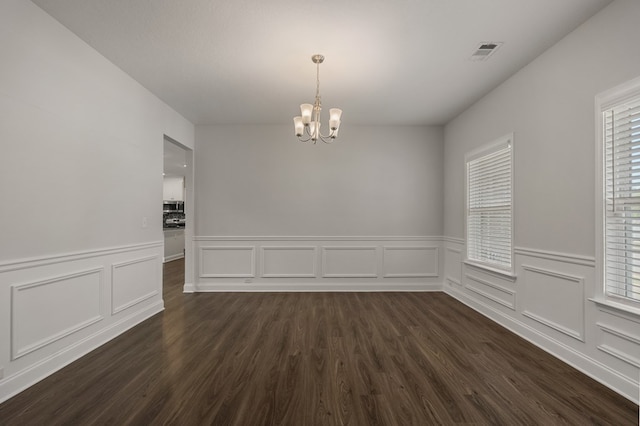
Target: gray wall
x=373, y=181
x=80, y=140
x=549, y=105
x=81, y=166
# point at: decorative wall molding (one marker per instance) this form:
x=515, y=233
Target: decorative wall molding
x=501, y=275
x=623, y=314
x=578, y=359
x=423, y=264
x=452, y=281
x=556, y=326
x=292, y=264
x=336, y=285
x=556, y=256
x=509, y=302
x=622, y=310
x=454, y=240
x=35, y=372
x=354, y=262
x=627, y=357
x=453, y=266
x=229, y=260
x=329, y=263
x=573, y=300
x=132, y=288
x=316, y=238
x=68, y=257
x=26, y=324
x=550, y=309
x=61, y=307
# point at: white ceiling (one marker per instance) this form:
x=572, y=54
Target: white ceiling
x=401, y=62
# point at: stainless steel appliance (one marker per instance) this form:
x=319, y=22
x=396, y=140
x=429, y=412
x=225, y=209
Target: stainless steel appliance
x=172, y=206
x=174, y=221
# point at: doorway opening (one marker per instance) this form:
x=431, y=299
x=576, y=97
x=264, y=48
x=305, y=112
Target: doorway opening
x=177, y=205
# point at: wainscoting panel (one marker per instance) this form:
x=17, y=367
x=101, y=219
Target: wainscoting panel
x=133, y=282
x=349, y=262
x=554, y=299
x=55, y=309
x=491, y=291
x=41, y=312
x=549, y=303
x=453, y=266
x=289, y=262
x=619, y=338
x=409, y=261
x=298, y=263
x=227, y=262
x=620, y=344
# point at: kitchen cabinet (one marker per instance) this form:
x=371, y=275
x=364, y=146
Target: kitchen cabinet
x=173, y=244
x=173, y=189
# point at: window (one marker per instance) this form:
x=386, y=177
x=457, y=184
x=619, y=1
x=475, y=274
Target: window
x=489, y=221
x=619, y=173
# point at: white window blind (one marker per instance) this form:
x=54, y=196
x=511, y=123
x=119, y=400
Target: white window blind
x=621, y=136
x=489, y=207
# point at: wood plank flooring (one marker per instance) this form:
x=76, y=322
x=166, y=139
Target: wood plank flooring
x=316, y=359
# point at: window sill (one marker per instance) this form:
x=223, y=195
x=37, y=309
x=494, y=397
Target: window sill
x=500, y=273
x=621, y=307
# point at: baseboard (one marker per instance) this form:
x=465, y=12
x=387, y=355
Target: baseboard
x=585, y=364
x=312, y=287
x=173, y=257
x=16, y=383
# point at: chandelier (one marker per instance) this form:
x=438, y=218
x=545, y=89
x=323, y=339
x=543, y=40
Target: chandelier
x=307, y=125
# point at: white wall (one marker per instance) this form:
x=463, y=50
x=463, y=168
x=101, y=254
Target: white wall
x=549, y=106
x=261, y=184
x=81, y=165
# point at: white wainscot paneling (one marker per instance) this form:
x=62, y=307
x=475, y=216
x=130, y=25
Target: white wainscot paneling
x=289, y=262
x=349, y=262
x=133, y=282
x=410, y=262
x=620, y=338
x=45, y=311
x=555, y=300
x=494, y=292
x=453, y=266
x=227, y=262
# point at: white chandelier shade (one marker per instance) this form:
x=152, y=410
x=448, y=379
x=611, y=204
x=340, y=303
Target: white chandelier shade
x=307, y=124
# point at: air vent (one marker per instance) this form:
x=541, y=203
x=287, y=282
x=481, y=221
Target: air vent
x=485, y=50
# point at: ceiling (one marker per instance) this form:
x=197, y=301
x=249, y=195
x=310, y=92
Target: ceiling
x=406, y=62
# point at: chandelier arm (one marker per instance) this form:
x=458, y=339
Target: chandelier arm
x=306, y=130
x=327, y=139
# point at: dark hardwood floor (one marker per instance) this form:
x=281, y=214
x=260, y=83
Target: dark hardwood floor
x=316, y=359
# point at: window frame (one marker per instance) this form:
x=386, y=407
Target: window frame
x=484, y=151
x=604, y=102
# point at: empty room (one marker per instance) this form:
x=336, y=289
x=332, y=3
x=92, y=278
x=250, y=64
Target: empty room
x=396, y=213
